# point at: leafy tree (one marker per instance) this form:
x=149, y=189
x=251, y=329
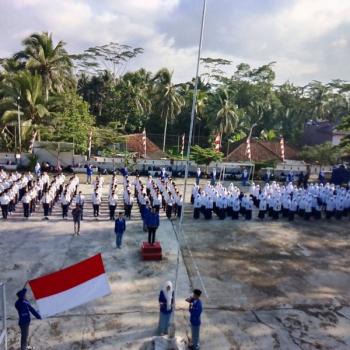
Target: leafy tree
x=324, y=154
x=50, y=61
x=168, y=98
x=72, y=124
x=205, y=155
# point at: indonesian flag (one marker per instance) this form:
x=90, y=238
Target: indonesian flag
x=248, y=151
x=144, y=142
x=182, y=145
x=73, y=286
x=282, y=148
x=217, y=143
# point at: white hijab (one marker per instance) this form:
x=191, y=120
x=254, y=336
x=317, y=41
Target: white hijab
x=168, y=294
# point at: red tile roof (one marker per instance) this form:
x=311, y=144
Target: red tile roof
x=134, y=144
x=261, y=151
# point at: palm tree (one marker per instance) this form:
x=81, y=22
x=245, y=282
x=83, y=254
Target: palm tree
x=24, y=90
x=51, y=62
x=168, y=97
x=228, y=115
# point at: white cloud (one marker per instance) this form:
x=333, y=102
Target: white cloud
x=307, y=38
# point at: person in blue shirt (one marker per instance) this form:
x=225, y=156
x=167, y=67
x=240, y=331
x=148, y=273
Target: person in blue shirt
x=166, y=303
x=195, y=310
x=152, y=223
x=119, y=229
x=24, y=310
x=89, y=173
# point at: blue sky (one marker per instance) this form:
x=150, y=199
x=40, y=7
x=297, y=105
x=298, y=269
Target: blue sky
x=309, y=39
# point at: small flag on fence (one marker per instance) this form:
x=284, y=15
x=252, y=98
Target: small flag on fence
x=71, y=287
x=182, y=145
x=217, y=143
x=144, y=142
x=282, y=148
x=248, y=151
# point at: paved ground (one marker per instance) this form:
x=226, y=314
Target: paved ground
x=268, y=285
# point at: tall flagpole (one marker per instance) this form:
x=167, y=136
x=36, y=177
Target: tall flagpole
x=172, y=331
x=194, y=101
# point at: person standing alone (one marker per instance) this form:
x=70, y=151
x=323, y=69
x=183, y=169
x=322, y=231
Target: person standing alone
x=152, y=223
x=195, y=310
x=24, y=310
x=77, y=215
x=119, y=229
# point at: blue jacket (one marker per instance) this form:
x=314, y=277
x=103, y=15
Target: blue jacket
x=89, y=171
x=24, y=310
x=119, y=226
x=195, y=311
x=152, y=219
x=162, y=299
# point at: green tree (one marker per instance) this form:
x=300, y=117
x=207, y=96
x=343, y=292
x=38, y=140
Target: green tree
x=324, y=154
x=205, y=155
x=73, y=123
x=50, y=61
x=168, y=97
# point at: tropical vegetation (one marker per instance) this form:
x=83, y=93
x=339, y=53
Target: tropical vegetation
x=59, y=96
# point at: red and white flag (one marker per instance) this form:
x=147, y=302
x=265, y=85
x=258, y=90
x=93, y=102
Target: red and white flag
x=182, y=145
x=73, y=286
x=282, y=148
x=144, y=142
x=217, y=143
x=248, y=151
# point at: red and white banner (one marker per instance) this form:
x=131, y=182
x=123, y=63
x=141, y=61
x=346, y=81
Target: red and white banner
x=73, y=286
x=248, y=151
x=217, y=143
x=182, y=145
x=282, y=148
x=144, y=142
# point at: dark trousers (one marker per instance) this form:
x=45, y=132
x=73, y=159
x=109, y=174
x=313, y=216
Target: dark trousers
x=151, y=234
x=46, y=207
x=24, y=336
x=5, y=210
x=112, y=212
x=65, y=210
x=96, y=210
x=128, y=208
x=26, y=209
x=179, y=209
x=169, y=210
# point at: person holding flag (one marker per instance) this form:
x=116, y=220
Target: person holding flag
x=24, y=310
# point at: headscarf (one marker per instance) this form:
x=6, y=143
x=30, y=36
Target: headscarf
x=168, y=294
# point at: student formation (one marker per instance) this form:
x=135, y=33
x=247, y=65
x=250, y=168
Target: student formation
x=272, y=200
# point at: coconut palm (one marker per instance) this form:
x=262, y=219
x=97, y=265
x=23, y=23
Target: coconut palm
x=228, y=115
x=50, y=61
x=168, y=98
x=24, y=90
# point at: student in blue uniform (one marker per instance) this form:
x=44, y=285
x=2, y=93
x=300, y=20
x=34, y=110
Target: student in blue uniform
x=119, y=229
x=24, y=310
x=195, y=310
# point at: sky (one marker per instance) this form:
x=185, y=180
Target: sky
x=308, y=39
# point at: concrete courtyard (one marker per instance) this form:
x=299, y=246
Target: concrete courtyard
x=270, y=285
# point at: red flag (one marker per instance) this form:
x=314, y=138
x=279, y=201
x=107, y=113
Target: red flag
x=73, y=286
